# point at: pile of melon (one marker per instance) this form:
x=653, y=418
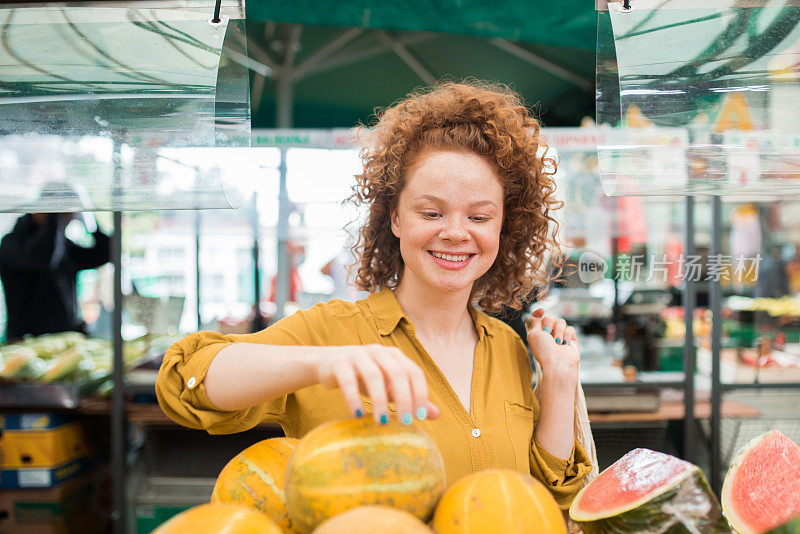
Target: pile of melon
x=356, y=477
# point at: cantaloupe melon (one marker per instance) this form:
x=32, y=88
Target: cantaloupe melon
x=344, y=464
x=498, y=501
x=256, y=477
x=373, y=520
x=214, y=518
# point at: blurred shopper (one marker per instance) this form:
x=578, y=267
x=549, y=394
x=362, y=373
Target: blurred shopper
x=38, y=270
x=773, y=281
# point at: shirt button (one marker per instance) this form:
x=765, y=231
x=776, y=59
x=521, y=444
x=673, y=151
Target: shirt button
x=191, y=383
x=476, y=432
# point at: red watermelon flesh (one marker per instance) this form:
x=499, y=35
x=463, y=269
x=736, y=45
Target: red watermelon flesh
x=636, y=476
x=762, y=487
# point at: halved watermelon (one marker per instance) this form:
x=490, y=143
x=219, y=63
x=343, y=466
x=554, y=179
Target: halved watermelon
x=762, y=488
x=648, y=491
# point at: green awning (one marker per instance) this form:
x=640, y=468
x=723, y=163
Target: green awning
x=344, y=59
x=569, y=23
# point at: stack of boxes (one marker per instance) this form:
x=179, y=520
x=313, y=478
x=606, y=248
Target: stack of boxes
x=52, y=478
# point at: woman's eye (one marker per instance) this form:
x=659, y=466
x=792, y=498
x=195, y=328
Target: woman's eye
x=480, y=219
x=430, y=214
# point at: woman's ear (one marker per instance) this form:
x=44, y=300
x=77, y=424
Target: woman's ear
x=395, y=222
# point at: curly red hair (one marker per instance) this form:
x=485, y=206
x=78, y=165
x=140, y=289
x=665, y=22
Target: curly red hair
x=479, y=117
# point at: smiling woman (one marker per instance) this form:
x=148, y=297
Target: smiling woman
x=459, y=203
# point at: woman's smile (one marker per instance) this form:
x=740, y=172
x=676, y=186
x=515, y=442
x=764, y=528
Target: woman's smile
x=451, y=262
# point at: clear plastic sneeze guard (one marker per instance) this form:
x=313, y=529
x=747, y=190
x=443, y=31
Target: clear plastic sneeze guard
x=699, y=98
x=104, y=108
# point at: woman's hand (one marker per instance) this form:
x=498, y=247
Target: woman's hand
x=553, y=344
x=384, y=374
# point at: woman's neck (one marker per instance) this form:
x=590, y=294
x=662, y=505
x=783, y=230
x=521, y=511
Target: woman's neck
x=443, y=316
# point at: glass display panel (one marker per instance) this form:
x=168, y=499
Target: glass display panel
x=92, y=97
x=698, y=99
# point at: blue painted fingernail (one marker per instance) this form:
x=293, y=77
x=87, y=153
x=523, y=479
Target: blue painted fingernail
x=422, y=413
x=359, y=413
x=384, y=419
x=407, y=418
x=546, y=328
x=558, y=340
x=564, y=342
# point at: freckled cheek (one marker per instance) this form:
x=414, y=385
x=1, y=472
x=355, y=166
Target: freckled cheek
x=417, y=240
x=424, y=235
x=489, y=241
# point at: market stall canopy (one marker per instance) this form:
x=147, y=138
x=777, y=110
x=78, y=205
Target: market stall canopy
x=330, y=64
x=699, y=98
x=98, y=101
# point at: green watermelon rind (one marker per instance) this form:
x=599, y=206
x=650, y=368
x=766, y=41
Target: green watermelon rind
x=792, y=527
x=737, y=524
x=653, y=514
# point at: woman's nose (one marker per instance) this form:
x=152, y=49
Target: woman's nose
x=454, y=231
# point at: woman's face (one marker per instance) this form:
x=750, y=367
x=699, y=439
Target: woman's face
x=448, y=219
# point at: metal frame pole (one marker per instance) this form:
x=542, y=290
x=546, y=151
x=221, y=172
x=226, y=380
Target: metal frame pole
x=258, y=320
x=689, y=303
x=118, y=419
x=285, y=105
x=283, y=281
x=197, y=228
x=715, y=297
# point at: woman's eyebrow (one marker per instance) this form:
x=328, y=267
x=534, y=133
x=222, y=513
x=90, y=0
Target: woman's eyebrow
x=442, y=201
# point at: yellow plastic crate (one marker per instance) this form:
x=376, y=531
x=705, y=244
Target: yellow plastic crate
x=42, y=448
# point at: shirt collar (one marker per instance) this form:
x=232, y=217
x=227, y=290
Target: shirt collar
x=387, y=312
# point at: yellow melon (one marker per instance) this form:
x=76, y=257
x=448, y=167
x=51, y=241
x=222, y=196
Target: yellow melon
x=498, y=501
x=373, y=519
x=256, y=477
x=344, y=464
x=214, y=518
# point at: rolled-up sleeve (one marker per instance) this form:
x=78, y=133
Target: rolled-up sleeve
x=180, y=385
x=564, y=478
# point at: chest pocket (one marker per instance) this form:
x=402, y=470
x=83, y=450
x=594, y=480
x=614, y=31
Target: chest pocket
x=519, y=424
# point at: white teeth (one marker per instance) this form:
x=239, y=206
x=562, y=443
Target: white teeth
x=451, y=257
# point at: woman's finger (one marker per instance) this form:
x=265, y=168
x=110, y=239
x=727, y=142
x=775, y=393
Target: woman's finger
x=569, y=335
x=348, y=383
x=433, y=411
x=558, y=330
x=419, y=389
x=375, y=384
x=534, y=320
x=547, y=324
x=396, y=376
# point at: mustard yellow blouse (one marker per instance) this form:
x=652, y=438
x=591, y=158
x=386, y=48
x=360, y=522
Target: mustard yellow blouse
x=497, y=434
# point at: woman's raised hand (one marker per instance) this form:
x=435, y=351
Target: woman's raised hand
x=553, y=344
x=383, y=374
